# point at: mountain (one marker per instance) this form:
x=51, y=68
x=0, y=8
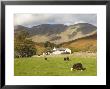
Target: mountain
x=47, y=29
x=77, y=31
x=20, y=28
x=58, y=33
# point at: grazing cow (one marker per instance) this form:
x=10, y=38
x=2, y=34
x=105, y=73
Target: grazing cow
x=45, y=58
x=78, y=66
x=65, y=58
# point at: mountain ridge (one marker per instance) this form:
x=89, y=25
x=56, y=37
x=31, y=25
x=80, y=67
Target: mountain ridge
x=58, y=33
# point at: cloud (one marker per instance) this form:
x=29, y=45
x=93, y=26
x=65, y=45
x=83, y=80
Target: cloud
x=68, y=19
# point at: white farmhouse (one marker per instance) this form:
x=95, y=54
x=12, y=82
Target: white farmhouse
x=61, y=51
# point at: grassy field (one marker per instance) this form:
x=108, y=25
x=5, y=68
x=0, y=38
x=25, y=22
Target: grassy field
x=54, y=66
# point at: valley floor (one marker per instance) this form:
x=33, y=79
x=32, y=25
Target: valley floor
x=55, y=65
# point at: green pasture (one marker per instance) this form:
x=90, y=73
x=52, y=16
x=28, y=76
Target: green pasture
x=54, y=66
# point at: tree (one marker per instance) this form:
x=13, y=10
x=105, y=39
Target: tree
x=49, y=44
x=23, y=47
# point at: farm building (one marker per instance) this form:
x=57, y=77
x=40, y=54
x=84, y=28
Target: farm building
x=61, y=51
x=58, y=51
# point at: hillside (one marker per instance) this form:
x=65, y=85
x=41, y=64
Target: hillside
x=88, y=43
x=77, y=31
x=40, y=48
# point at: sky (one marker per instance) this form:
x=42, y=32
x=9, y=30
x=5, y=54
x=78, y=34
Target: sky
x=30, y=20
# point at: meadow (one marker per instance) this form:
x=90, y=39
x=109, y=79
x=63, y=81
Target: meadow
x=55, y=65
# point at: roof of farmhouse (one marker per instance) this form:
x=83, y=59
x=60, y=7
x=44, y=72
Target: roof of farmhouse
x=60, y=49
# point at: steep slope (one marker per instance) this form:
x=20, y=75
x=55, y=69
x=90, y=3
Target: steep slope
x=77, y=31
x=88, y=43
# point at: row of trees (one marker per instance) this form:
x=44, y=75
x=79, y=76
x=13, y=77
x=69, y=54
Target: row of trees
x=23, y=47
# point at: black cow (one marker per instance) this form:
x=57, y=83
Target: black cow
x=65, y=58
x=78, y=66
x=45, y=58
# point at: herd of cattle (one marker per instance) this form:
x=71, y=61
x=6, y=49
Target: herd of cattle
x=76, y=66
